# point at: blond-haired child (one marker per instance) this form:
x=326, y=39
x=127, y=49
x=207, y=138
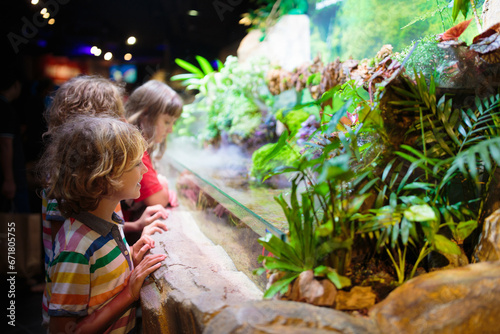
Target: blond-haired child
x=90, y=95
x=93, y=277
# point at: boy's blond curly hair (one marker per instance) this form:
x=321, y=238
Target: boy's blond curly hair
x=86, y=159
x=85, y=95
x=146, y=104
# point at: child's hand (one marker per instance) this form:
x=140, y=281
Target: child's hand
x=151, y=214
x=156, y=226
x=172, y=198
x=140, y=248
x=149, y=264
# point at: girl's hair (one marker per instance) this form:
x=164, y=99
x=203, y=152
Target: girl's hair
x=146, y=104
x=84, y=95
x=86, y=159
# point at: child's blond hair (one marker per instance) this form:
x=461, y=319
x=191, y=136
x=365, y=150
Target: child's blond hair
x=85, y=95
x=86, y=158
x=146, y=104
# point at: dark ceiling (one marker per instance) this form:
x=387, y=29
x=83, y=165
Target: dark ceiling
x=163, y=28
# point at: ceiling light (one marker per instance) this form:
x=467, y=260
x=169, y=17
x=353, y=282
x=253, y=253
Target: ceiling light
x=131, y=40
x=43, y=11
x=51, y=21
x=127, y=56
x=46, y=15
x=98, y=52
x=108, y=56
x=193, y=12
x=34, y=2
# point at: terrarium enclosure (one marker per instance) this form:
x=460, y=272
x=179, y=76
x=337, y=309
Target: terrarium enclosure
x=339, y=165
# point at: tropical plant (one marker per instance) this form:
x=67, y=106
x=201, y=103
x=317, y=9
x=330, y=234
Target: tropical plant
x=322, y=224
x=411, y=191
x=232, y=102
x=434, y=187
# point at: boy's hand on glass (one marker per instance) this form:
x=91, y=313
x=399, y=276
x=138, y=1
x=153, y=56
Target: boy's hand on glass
x=141, y=247
x=151, y=214
x=149, y=264
x=156, y=226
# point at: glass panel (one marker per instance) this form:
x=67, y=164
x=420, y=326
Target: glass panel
x=227, y=209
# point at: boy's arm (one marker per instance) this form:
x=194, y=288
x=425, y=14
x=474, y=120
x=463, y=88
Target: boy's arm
x=101, y=319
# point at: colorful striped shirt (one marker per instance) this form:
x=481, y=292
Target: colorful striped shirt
x=50, y=214
x=90, y=264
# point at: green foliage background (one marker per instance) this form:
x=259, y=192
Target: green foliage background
x=359, y=28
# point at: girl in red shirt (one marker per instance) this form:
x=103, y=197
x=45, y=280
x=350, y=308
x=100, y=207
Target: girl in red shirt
x=153, y=108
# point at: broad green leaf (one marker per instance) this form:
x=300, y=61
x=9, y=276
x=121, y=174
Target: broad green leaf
x=445, y=245
x=419, y=213
x=464, y=229
x=338, y=280
x=325, y=229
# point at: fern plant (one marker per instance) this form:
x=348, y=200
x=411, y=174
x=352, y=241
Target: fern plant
x=436, y=186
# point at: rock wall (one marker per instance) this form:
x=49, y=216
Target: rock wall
x=198, y=290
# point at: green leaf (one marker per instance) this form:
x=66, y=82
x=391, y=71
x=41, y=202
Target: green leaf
x=259, y=271
x=205, y=65
x=338, y=280
x=325, y=229
x=445, y=245
x=368, y=186
x=420, y=213
x=314, y=79
x=405, y=230
x=464, y=229
x=282, y=141
x=280, y=285
x=282, y=265
x=279, y=248
x=387, y=169
x=183, y=76
x=189, y=67
x=420, y=185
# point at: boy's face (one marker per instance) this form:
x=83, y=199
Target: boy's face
x=164, y=125
x=131, y=179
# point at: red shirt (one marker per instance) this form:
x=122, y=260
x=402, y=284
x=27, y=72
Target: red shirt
x=149, y=183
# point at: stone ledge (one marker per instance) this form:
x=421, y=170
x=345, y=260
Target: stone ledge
x=198, y=280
